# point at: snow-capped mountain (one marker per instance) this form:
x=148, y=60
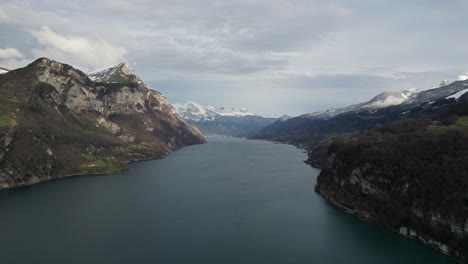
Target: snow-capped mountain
x=382, y=109
x=3, y=70
x=196, y=112
x=120, y=73
x=405, y=98
x=439, y=93
x=227, y=121
x=382, y=100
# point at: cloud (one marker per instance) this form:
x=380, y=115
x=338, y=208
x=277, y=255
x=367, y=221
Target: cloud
x=463, y=77
x=85, y=52
x=271, y=56
x=10, y=53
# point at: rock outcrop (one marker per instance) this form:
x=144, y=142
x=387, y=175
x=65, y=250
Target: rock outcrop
x=56, y=122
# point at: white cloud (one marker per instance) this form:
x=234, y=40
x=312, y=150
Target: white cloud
x=76, y=50
x=463, y=77
x=10, y=53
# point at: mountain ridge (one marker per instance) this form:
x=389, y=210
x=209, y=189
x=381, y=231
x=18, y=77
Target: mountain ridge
x=382, y=100
x=197, y=112
x=232, y=121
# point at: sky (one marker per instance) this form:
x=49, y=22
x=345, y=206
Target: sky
x=273, y=57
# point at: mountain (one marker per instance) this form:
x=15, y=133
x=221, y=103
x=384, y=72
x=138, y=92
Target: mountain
x=381, y=100
x=402, y=166
x=232, y=121
x=409, y=176
x=57, y=122
x=196, y=112
x=436, y=94
x=310, y=130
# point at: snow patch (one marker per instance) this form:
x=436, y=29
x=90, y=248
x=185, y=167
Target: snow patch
x=386, y=102
x=2, y=71
x=457, y=95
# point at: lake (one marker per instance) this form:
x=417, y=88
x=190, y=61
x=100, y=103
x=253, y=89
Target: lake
x=228, y=201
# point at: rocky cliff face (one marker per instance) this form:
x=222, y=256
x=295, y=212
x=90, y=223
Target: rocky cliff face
x=409, y=176
x=55, y=122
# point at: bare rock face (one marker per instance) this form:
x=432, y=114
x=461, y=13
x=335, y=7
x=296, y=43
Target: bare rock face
x=55, y=122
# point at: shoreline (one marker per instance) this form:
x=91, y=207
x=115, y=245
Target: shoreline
x=365, y=217
x=126, y=169
x=354, y=212
x=103, y=173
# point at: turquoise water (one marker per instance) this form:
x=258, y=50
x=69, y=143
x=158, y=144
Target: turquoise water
x=228, y=201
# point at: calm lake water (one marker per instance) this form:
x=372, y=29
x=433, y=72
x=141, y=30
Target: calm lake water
x=228, y=201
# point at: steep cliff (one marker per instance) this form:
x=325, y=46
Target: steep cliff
x=410, y=176
x=56, y=122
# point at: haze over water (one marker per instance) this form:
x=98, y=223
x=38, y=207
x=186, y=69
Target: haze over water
x=228, y=201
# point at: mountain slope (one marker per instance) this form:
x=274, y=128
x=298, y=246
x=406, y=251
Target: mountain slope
x=55, y=122
x=381, y=100
x=437, y=93
x=410, y=176
x=310, y=131
x=402, y=166
x=233, y=121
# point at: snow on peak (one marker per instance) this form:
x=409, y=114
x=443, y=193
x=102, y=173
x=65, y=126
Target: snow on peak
x=382, y=100
x=410, y=93
x=114, y=73
x=387, y=99
x=230, y=111
x=462, y=78
x=196, y=112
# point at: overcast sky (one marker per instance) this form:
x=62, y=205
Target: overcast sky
x=273, y=57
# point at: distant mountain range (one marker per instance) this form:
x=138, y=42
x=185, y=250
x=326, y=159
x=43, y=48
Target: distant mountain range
x=228, y=121
x=196, y=112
